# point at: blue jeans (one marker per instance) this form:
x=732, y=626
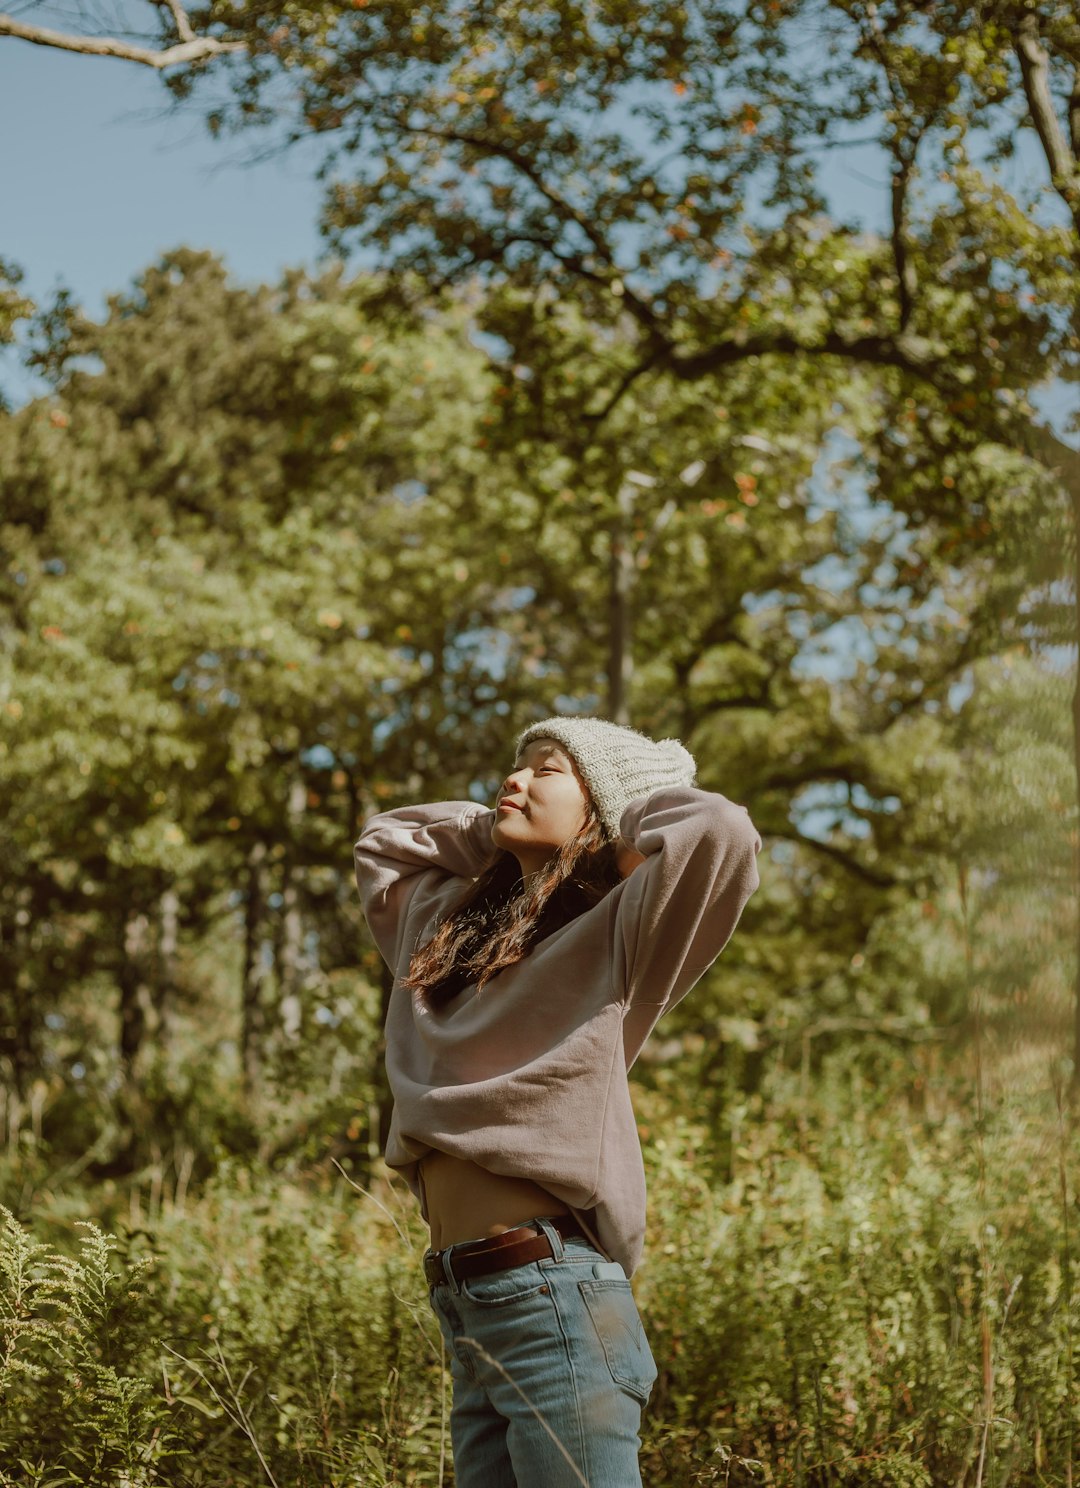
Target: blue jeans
x=551, y=1369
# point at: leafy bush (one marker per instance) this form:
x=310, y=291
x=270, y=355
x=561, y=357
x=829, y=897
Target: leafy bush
x=871, y=1299
x=272, y=1334
x=876, y=1295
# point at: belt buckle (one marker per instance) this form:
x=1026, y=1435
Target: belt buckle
x=436, y=1262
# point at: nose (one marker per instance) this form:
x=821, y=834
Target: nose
x=507, y=787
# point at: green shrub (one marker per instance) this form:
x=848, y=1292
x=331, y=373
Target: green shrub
x=875, y=1295
x=871, y=1299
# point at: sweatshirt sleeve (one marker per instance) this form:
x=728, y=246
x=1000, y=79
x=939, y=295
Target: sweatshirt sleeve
x=677, y=910
x=404, y=857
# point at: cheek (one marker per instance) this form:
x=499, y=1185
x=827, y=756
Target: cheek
x=561, y=813
x=573, y=811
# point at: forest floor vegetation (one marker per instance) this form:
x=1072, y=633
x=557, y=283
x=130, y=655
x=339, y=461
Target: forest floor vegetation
x=870, y=1278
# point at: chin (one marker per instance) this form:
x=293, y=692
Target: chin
x=503, y=835
x=499, y=835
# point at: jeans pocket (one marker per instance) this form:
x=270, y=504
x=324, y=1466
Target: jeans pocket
x=615, y=1317
x=502, y=1288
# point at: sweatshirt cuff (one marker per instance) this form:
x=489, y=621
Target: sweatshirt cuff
x=699, y=810
x=476, y=830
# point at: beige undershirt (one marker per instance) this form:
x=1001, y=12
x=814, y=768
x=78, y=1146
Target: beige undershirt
x=467, y=1202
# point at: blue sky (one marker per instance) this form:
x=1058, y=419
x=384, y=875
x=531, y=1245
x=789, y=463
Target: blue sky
x=101, y=184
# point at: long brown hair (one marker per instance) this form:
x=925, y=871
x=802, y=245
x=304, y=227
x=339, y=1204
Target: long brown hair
x=499, y=921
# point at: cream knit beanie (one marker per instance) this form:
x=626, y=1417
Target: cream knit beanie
x=617, y=763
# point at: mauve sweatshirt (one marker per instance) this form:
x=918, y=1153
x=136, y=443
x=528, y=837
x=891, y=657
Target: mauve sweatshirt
x=529, y=1076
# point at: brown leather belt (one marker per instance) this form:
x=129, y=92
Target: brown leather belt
x=497, y=1252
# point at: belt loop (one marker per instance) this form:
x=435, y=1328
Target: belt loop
x=448, y=1270
x=558, y=1250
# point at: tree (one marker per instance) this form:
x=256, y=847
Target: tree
x=223, y=548
x=611, y=172
x=276, y=565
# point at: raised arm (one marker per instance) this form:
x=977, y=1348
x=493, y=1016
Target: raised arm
x=677, y=910
x=404, y=856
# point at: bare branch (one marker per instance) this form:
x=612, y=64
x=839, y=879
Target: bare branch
x=1035, y=70
x=619, y=392
x=874, y=877
x=904, y=154
x=183, y=25
x=915, y=354
x=911, y=353
x=189, y=49
x=886, y=1026
x=637, y=305
x=906, y=277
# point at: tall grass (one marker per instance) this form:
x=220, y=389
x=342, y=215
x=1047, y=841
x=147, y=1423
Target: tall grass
x=881, y=1291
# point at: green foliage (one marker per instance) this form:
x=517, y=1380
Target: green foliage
x=881, y=1289
x=661, y=176
x=228, y=638
x=14, y=306
x=274, y=557
x=840, y=1309
x=219, y=578
x=267, y=1331
x=74, y=1343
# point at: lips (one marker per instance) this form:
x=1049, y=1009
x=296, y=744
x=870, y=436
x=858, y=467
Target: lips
x=509, y=806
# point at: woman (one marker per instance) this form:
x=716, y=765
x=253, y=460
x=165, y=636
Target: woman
x=534, y=947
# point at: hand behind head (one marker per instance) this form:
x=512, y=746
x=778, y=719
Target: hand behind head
x=627, y=858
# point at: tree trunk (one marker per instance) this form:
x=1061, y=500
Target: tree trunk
x=1074, y=1082
x=352, y=798
x=1062, y=152
x=1063, y=462
x=620, y=612
x=252, y=1022
x=168, y=935
x=291, y=959
x=136, y=1003
x=18, y=1042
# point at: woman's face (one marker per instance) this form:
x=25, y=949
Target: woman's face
x=541, y=804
